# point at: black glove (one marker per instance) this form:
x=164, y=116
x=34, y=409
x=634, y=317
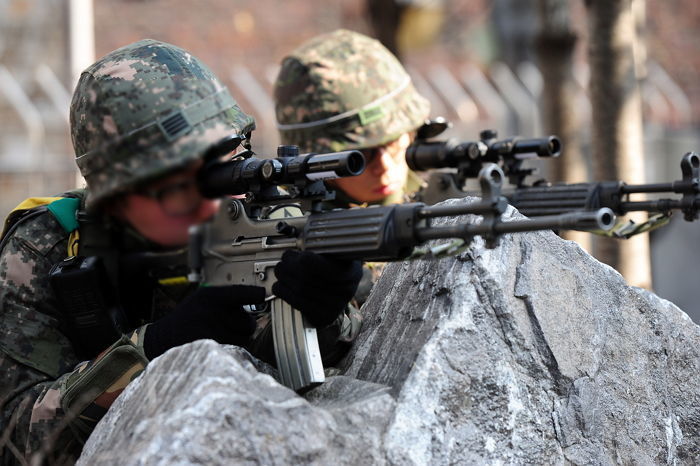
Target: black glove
x=210, y=312
x=320, y=287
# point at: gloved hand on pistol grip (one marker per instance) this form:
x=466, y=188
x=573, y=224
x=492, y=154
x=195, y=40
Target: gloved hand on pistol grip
x=213, y=312
x=318, y=286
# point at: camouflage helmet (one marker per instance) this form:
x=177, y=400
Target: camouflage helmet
x=344, y=90
x=144, y=110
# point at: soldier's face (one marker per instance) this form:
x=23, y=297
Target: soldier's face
x=165, y=209
x=384, y=175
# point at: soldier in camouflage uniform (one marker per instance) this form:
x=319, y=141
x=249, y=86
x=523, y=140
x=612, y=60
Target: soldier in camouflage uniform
x=343, y=91
x=142, y=120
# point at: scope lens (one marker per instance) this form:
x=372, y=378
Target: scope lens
x=554, y=146
x=356, y=163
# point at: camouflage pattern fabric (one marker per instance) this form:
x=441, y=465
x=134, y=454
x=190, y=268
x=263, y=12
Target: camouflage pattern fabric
x=145, y=110
x=344, y=90
x=49, y=401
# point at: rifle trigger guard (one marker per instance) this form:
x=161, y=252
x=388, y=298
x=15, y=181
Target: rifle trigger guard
x=260, y=269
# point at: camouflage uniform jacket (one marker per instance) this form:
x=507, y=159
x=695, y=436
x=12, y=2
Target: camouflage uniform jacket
x=49, y=400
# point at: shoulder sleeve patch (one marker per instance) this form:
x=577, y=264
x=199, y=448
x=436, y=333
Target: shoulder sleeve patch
x=64, y=210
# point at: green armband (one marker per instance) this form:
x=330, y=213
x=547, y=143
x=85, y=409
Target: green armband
x=90, y=390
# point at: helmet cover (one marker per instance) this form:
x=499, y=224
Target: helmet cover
x=344, y=90
x=145, y=110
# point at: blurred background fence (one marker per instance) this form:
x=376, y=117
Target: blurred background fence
x=476, y=61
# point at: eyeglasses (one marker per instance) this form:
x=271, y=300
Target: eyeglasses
x=176, y=199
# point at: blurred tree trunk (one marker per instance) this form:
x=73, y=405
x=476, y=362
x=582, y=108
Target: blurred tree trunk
x=555, y=44
x=385, y=17
x=617, y=121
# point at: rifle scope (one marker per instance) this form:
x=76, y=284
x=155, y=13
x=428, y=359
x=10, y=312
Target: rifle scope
x=243, y=175
x=426, y=155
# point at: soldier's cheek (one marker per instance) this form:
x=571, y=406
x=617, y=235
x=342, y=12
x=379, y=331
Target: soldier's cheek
x=206, y=210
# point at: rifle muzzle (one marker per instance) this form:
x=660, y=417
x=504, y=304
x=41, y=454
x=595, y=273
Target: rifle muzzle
x=542, y=147
x=426, y=155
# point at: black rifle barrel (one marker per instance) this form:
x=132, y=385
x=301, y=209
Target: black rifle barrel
x=680, y=186
x=601, y=219
x=542, y=147
x=660, y=205
x=220, y=178
x=557, y=199
x=425, y=155
x=391, y=232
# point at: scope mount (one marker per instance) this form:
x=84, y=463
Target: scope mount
x=308, y=196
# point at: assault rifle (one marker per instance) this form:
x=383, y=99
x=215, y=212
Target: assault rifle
x=284, y=208
x=464, y=159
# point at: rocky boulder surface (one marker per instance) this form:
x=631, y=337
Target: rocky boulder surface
x=531, y=352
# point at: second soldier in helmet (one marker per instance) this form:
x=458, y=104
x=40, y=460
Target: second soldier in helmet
x=342, y=91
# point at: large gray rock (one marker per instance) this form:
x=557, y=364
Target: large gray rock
x=532, y=352
x=204, y=403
